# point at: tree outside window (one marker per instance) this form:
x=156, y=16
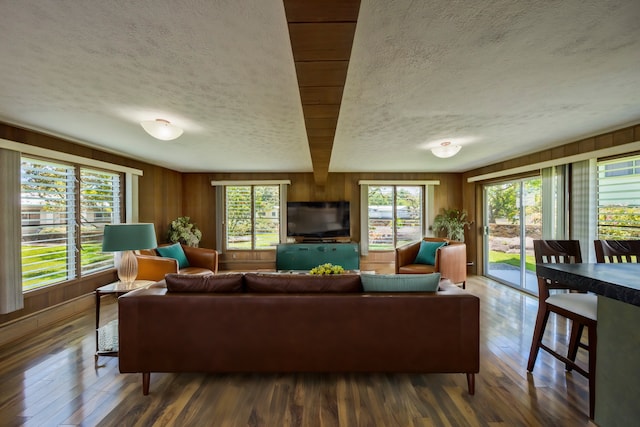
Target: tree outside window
x=64, y=210
x=619, y=199
x=252, y=216
x=395, y=215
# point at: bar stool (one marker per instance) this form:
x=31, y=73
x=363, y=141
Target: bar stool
x=580, y=308
x=617, y=251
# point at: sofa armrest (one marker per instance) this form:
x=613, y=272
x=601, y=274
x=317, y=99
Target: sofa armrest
x=406, y=254
x=154, y=267
x=452, y=262
x=202, y=258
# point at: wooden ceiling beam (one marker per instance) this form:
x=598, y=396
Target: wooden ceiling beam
x=321, y=33
x=322, y=11
x=322, y=73
x=326, y=95
x=322, y=41
x=320, y=111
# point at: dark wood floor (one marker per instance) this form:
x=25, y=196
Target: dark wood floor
x=51, y=380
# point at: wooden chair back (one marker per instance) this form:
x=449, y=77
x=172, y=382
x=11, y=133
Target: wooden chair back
x=555, y=252
x=617, y=251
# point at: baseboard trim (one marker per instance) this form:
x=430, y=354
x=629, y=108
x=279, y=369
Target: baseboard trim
x=19, y=328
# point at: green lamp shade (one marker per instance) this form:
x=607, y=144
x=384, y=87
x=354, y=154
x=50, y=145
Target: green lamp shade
x=128, y=237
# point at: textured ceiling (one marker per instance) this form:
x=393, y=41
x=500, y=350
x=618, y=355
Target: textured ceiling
x=502, y=78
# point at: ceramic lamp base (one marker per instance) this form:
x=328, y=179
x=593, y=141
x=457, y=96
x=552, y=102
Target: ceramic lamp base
x=127, y=267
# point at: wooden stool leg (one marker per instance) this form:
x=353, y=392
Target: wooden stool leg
x=538, y=333
x=574, y=342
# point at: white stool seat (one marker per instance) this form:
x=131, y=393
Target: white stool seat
x=586, y=305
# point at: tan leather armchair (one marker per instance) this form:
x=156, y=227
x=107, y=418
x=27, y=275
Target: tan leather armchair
x=451, y=260
x=151, y=266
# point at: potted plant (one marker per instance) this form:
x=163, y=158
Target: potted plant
x=182, y=230
x=452, y=222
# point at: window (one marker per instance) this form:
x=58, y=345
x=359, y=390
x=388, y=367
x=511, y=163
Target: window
x=64, y=209
x=99, y=205
x=394, y=215
x=621, y=168
x=619, y=199
x=252, y=216
x=513, y=218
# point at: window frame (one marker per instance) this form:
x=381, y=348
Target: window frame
x=221, y=213
x=73, y=218
x=116, y=217
x=623, y=184
x=427, y=212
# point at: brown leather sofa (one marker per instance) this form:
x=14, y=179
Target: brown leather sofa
x=152, y=266
x=262, y=324
x=451, y=260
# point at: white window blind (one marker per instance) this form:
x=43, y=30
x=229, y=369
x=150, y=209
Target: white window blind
x=48, y=222
x=100, y=204
x=266, y=204
x=252, y=216
x=64, y=208
x=238, y=222
x=619, y=199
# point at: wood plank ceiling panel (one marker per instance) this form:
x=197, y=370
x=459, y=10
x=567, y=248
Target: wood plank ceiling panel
x=321, y=33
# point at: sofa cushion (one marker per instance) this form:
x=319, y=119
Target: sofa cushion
x=226, y=283
x=400, y=282
x=174, y=251
x=195, y=270
x=302, y=283
x=427, y=252
x=417, y=269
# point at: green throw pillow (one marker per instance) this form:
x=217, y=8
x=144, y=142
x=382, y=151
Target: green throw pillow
x=427, y=252
x=176, y=252
x=400, y=282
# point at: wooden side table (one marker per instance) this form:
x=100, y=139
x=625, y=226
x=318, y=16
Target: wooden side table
x=111, y=328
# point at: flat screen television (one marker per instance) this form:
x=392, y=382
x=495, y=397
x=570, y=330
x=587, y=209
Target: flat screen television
x=318, y=220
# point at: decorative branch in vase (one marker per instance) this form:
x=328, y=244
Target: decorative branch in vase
x=182, y=230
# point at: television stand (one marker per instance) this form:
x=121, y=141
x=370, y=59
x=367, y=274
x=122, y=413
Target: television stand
x=324, y=240
x=305, y=256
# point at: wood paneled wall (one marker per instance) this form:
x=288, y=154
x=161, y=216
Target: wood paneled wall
x=199, y=203
x=472, y=191
x=160, y=192
x=166, y=194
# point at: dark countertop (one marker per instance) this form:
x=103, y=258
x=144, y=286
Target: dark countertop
x=616, y=281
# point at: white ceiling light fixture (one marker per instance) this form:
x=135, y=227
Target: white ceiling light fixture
x=161, y=129
x=445, y=150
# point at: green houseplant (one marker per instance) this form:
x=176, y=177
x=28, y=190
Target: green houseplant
x=182, y=230
x=452, y=222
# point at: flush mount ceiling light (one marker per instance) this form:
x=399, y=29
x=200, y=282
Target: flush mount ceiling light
x=446, y=150
x=161, y=129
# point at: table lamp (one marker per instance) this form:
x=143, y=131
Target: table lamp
x=126, y=238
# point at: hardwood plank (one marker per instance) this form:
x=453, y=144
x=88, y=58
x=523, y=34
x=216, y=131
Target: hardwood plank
x=325, y=41
x=322, y=74
x=321, y=10
x=50, y=379
x=318, y=111
x=321, y=95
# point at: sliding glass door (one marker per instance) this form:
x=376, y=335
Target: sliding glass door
x=513, y=219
